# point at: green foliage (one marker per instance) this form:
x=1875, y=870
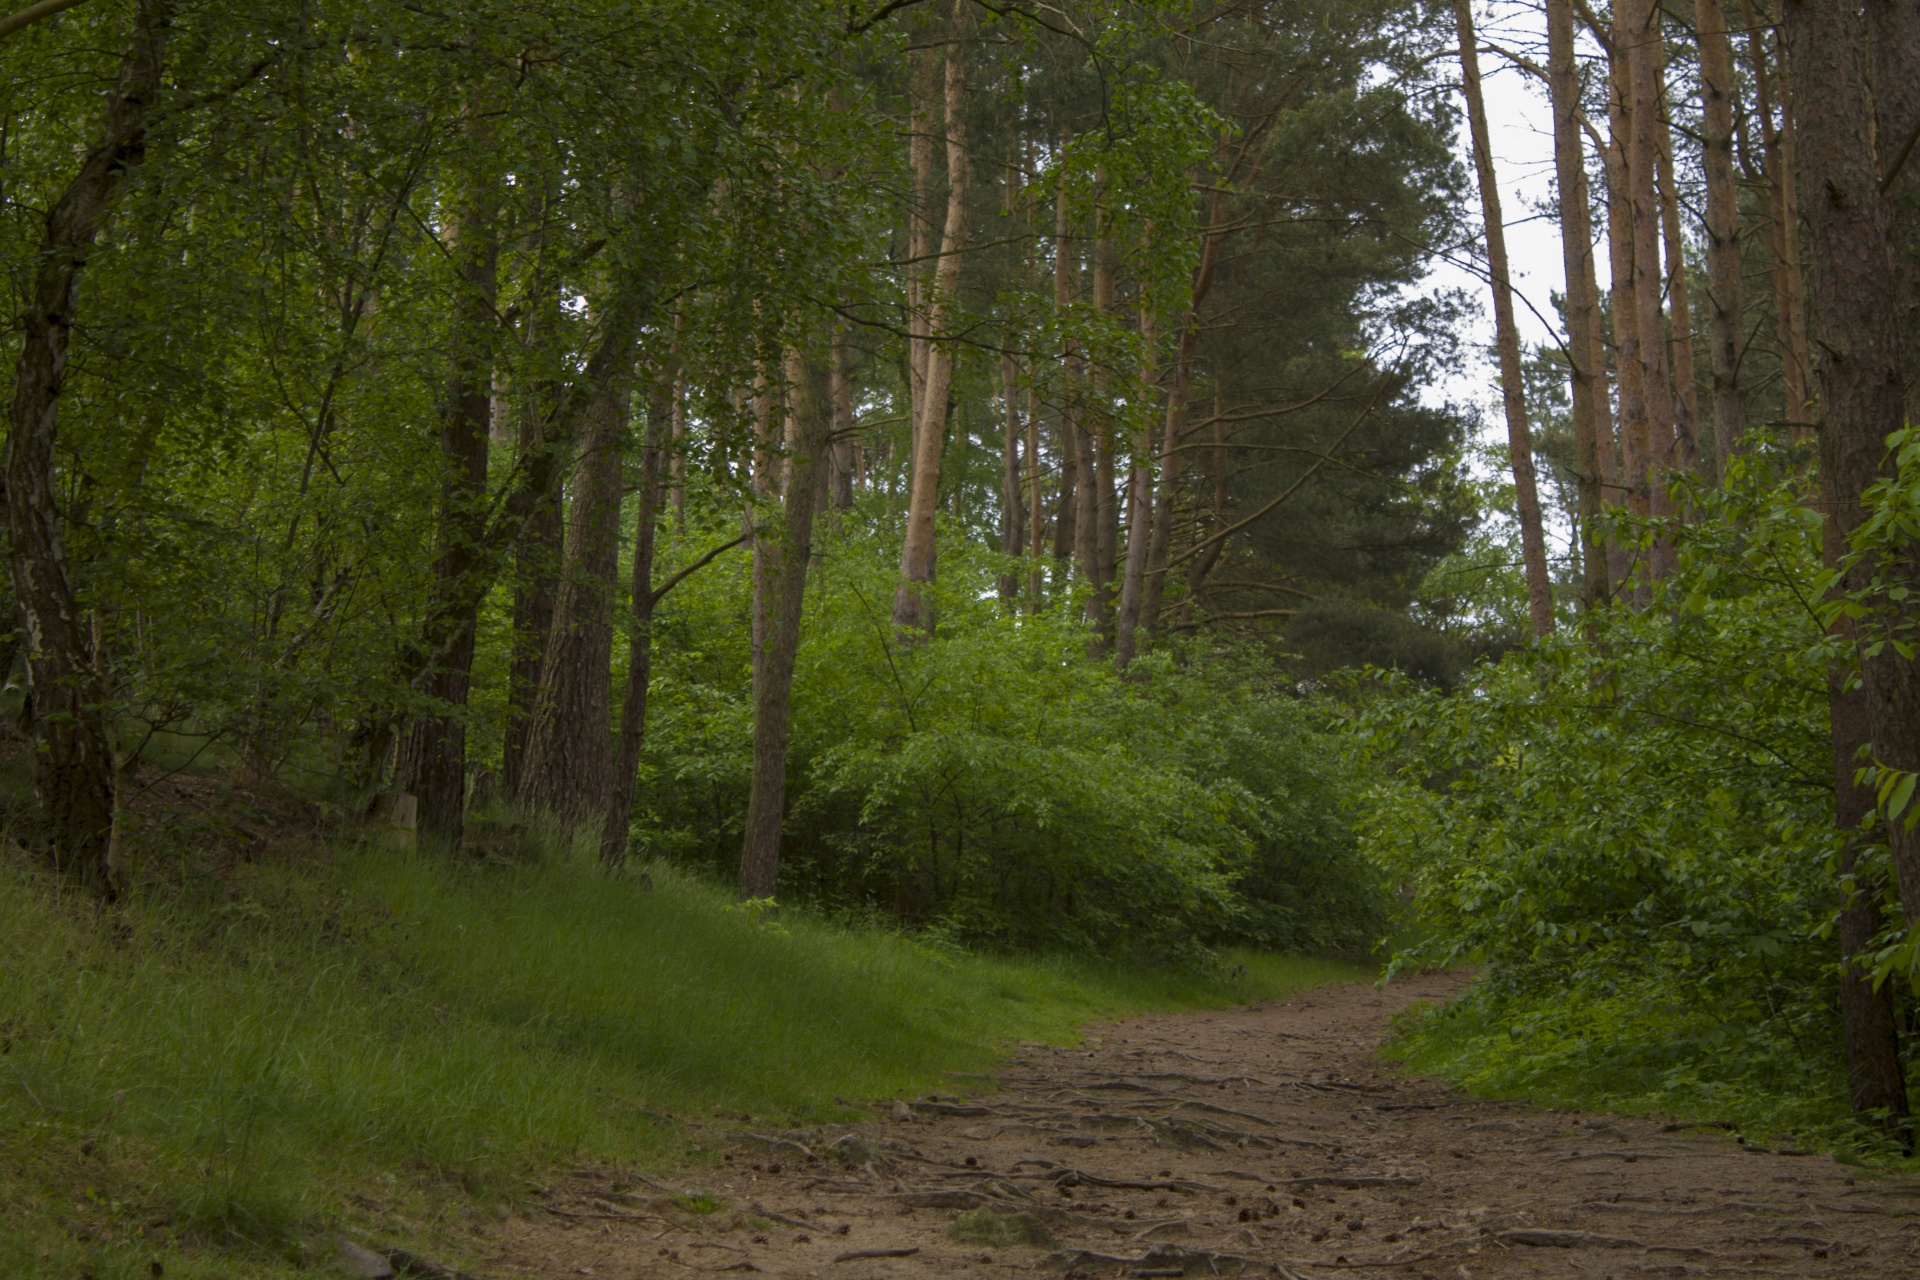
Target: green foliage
x=239, y=1054
x=997, y=787
x=1631, y=826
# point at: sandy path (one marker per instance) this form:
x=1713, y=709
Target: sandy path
x=1264, y=1141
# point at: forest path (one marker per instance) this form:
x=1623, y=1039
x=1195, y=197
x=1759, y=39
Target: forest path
x=1260, y=1141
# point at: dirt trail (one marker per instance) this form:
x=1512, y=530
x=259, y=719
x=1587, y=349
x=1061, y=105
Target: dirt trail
x=1263, y=1141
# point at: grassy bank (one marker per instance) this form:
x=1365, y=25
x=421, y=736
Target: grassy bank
x=384, y=1040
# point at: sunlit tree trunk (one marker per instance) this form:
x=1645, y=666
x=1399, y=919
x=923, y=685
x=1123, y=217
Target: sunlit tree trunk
x=1587, y=357
x=74, y=764
x=1685, y=451
x=1725, y=326
x=1861, y=396
x=618, y=816
x=913, y=599
x=781, y=549
x=1507, y=338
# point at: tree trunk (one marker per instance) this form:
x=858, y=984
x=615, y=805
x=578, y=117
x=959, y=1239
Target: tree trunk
x=1778, y=154
x=1101, y=438
x=845, y=464
x=913, y=599
x=780, y=552
x=633, y=708
x=569, y=732
x=439, y=748
x=536, y=566
x=1724, y=323
x=1172, y=455
x=1222, y=498
x=1860, y=374
x=1894, y=28
x=74, y=766
x=1586, y=355
x=1636, y=35
x=1686, y=396
x=1012, y=513
x=1868, y=1028
x=1036, y=533
x=1636, y=433
x=1507, y=336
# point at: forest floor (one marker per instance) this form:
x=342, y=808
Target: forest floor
x=1267, y=1140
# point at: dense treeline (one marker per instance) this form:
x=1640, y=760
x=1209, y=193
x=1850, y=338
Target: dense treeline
x=930, y=460
x=454, y=408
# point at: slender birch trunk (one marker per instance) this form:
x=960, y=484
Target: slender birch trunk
x=1507, y=336
x=781, y=550
x=913, y=600
x=1725, y=327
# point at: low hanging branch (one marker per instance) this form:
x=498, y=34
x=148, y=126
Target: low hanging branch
x=33, y=13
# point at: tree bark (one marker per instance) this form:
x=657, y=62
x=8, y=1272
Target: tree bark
x=1778, y=148
x=1636, y=34
x=1894, y=28
x=845, y=464
x=1725, y=327
x=1222, y=498
x=569, y=732
x=1861, y=398
x=536, y=565
x=1012, y=508
x=633, y=707
x=74, y=767
x=1868, y=1027
x=1101, y=438
x=438, y=750
x=1686, y=396
x=1586, y=354
x=1507, y=336
x=913, y=599
x=781, y=549
x=1636, y=435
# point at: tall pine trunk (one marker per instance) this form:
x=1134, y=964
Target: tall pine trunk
x=1636, y=35
x=1685, y=452
x=1725, y=326
x=1861, y=395
x=1587, y=356
x=913, y=599
x=1778, y=149
x=1894, y=29
x=1507, y=337
x=783, y=542
x=74, y=764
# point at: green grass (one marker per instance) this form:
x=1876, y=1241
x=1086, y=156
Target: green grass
x=386, y=1040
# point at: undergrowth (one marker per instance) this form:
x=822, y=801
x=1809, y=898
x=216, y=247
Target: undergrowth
x=395, y=1043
